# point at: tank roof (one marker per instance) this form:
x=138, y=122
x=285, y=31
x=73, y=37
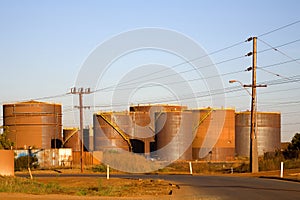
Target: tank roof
x=112, y=112
x=71, y=128
x=31, y=102
x=209, y=108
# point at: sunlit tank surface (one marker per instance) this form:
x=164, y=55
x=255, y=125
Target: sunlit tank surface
x=214, y=134
x=145, y=115
x=268, y=132
x=71, y=138
x=35, y=124
x=174, y=135
x=106, y=137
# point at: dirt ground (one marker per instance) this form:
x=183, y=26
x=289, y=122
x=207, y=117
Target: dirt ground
x=136, y=189
x=156, y=189
x=19, y=196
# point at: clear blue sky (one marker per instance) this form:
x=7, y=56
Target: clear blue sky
x=44, y=43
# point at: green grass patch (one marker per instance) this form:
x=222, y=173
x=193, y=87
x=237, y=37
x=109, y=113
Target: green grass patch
x=84, y=187
x=22, y=185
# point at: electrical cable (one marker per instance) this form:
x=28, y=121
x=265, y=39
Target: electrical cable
x=280, y=28
x=281, y=52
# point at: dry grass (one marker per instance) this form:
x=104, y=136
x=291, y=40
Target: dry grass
x=85, y=186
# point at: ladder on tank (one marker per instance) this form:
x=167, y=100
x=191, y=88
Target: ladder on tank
x=202, y=119
x=119, y=131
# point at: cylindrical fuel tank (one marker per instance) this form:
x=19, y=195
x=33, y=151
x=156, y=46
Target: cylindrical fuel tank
x=145, y=114
x=105, y=136
x=268, y=132
x=35, y=124
x=174, y=135
x=214, y=134
x=86, y=139
x=71, y=139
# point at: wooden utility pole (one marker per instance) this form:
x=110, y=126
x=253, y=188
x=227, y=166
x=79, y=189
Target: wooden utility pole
x=80, y=92
x=253, y=139
x=253, y=128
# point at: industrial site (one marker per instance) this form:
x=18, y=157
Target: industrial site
x=160, y=131
x=164, y=100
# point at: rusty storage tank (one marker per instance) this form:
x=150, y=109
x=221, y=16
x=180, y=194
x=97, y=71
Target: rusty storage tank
x=111, y=131
x=268, y=132
x=33, y=123
x=143, y=134
x=151, y=109
x=71, y=139
x=174, y=135
x=214, y=134
x=143, y=122
x=86, y=139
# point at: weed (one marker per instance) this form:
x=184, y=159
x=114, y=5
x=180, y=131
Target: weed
x=99, y=168
x=82, y=192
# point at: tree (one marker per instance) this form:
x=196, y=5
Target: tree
x=295, y=144
x=293, y=149
x=4, y=142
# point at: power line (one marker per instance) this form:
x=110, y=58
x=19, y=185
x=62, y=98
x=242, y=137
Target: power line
x=279, y=63
x=203, y=94
x=38, y=98
x=282, y=45
x=193, y=69
x=281, y=52
x=214, y=52
x=200, y=57
x=155, y=78
x=280, y=28
x=228, y=47
x=52, y=97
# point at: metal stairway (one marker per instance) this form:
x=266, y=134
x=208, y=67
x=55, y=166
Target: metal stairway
x=119, y=131
x=202, y=119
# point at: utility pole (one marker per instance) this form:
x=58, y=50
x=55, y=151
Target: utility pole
x=253, y=129
x=80, y=92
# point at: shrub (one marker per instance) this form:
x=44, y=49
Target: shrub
x=21, y=163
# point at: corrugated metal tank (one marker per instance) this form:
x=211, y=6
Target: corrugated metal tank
x=71, y=138
x=142, y=132
x=143, y=118
x=214, y=134
x=105, y=137
x=174, y=135
x=86, y=139
x=151, y=109
x=33, y=123
x=268, y=132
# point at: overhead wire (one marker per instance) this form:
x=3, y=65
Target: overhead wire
x=108, y=88
x=193, y=69
x=203, y=94
x=214, y=52
x=282, y=45
x=279, y=28
x=279, y=51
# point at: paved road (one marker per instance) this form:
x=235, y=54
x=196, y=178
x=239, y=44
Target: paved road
x=225, y=187
x=220, y=187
